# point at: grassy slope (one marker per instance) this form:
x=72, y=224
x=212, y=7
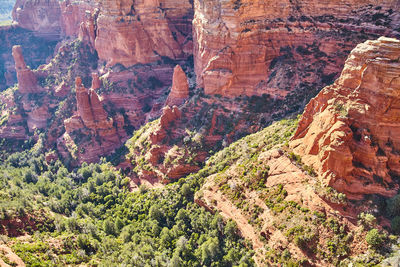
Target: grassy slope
x=280, y=206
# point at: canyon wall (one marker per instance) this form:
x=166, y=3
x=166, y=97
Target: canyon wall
x=125, y=32
x=253, y=47
x=350, y=132
x=144, y=31
x=41, y=17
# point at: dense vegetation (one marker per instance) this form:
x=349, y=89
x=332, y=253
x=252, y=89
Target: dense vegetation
x=53, y=216
x=88, y=215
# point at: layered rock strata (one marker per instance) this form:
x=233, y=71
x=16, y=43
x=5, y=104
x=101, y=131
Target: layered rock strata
x=144, y=31
x=40, y=16
x=350, y=132
x=252, y=47
x=124, y=32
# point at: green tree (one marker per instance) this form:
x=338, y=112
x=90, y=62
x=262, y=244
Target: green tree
x=374, y=238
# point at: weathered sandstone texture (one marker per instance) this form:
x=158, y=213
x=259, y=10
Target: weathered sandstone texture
x=252, y=47
x=74, y=13
x=180, y=88
x=27, y=81
x=350, y=132
x=90, y=133
x=125, y=32
x=144, y=31
x=40, y=16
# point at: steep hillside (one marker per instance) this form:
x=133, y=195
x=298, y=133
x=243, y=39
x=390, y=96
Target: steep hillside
x=349, y=131
x=50, y=216
x=165, y=133
x=280, y=205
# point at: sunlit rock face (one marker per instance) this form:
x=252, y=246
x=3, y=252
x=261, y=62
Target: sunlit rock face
x=252, y=47
x=350, y=131
x=144, y=31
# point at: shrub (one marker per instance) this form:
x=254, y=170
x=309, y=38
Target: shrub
x=374, y=238
x=393, y=207
x=395, y=224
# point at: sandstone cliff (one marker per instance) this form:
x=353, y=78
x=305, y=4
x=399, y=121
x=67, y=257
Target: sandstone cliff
x=143, y=32
x=122, y=31
x=349, y=132
x=42, y=17
x=253, y=47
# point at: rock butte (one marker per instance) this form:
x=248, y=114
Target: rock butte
x=350, y=132
x=27, y=81
x=238, y=45
x=180, y=88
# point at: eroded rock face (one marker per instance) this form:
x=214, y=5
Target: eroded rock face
x=168, y=116
x=350, y=131
x=27, y=81
x=74, y=13
x=90, y=129
x=252, y=47
x=180, y=88
x=40, y=16
x=144, y=31
x=125, y=32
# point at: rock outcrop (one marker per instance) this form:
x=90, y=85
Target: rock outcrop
x=350, y=132
x=252, y=47
x=41, y=16
x=180, y=88
x=74, y=13
x=102, y=134
x=168, y=116
x=145, y=31
x=124, y=32
x=27, y=81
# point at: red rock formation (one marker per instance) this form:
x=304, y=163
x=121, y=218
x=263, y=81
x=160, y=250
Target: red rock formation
x=180, y=88
x=73, y=14
x=40, y=16
x=143, y=32
x=91, y=120
x=83, y=103
x=350, y=131
x=87, y=29
x=61, y=90
x=27, y=82
x=96, y=84
x=168, y=116
x=252, y=47
x=11, y=125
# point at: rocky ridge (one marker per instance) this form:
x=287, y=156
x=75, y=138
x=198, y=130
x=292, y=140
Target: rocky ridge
x=349, y=131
